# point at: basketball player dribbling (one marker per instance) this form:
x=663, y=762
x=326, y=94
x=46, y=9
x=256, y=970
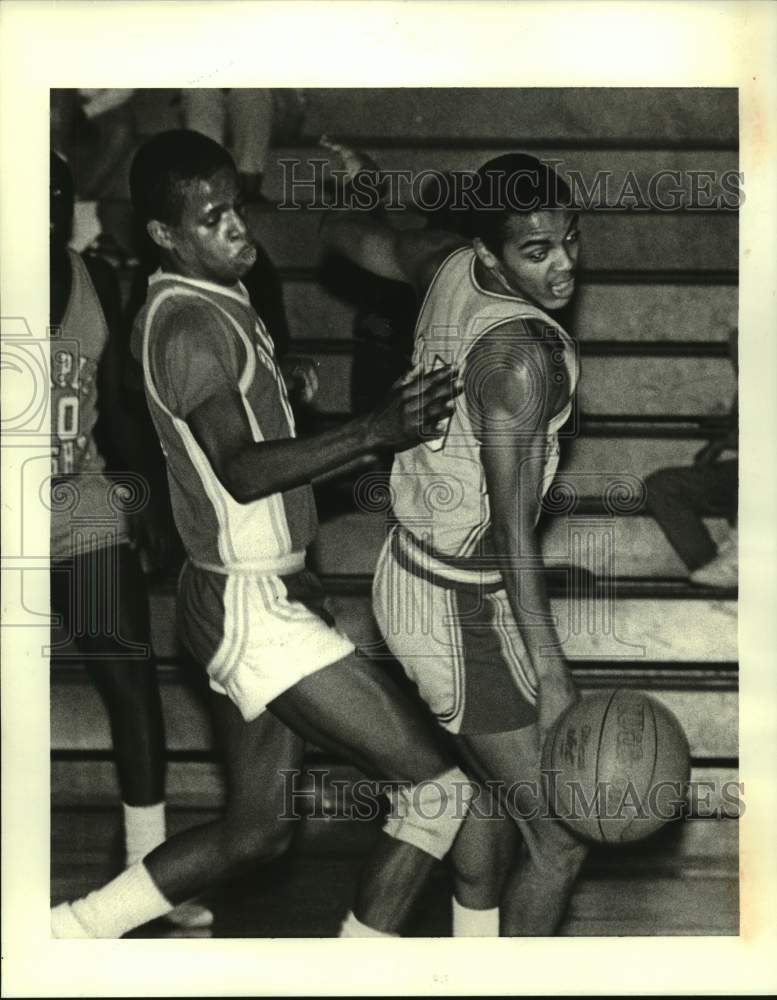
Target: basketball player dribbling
x=249, y=610
x=459, y=591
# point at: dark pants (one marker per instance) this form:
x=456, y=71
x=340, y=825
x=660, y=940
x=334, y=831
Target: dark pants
x=101, y=602
x=678, y=498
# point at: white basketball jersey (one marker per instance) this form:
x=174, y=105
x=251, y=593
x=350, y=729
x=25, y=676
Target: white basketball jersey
x=438, y=487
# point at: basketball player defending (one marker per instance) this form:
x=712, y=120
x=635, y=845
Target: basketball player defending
x=249, y=610
x=97, y=585
x=459, y=592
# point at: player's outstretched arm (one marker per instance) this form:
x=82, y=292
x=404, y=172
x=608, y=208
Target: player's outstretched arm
x=512, y=382
x=412, y=256
x=250, y=470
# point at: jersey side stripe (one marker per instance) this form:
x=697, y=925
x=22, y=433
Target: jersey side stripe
x=522, y=680
x=272, y=507
x=213, y=489
x=457, y=656
x=221, y=664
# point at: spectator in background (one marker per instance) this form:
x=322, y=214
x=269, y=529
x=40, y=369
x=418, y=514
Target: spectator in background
x=93, y=130
x=243, y=120
x=680, y=497
x=97, y=585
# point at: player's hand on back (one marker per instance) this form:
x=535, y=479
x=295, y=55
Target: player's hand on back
x=414, y=408
x=301, y=377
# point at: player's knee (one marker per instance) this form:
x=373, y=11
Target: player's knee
x=428, y=815
x=479, y=866
x=484, y=850
x=256, y=845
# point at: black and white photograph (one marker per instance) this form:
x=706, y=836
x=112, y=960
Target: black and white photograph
x=389, y=518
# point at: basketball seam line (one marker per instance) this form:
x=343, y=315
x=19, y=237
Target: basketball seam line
x=655, y=746
x=599, y=758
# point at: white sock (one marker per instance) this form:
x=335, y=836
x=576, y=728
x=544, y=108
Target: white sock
x=128, y=901
x=86, y=225
x=474, y=923
x=144, y=829
x=64, y=924
x=352, y=927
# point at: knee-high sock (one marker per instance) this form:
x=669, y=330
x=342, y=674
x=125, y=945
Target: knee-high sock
x=144, y=829
x=130, y=900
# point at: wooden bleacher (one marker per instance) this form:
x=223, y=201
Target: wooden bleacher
x=657, y=299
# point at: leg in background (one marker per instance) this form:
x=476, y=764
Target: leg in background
x=250, y=122
x=678, y=499
x=204, y=110
x=103, y=600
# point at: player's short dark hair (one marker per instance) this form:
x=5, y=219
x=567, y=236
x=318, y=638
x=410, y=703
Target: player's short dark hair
x=512, y=184
x=165, y=165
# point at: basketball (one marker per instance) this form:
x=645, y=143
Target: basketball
x=617, y=766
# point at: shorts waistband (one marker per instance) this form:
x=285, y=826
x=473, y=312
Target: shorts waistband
x=294, y=562
x=419, y=559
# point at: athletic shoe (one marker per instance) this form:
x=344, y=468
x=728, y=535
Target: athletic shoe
x=65, y=924
x=191, y=915
x=722, y=571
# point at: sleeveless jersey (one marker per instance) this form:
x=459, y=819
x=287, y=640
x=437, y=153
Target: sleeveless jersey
x=268, y=535
x=438, y=488
x=83, y=518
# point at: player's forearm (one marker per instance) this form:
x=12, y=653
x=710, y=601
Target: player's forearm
x=524, y=576
x=364, y=241
x=268, y=467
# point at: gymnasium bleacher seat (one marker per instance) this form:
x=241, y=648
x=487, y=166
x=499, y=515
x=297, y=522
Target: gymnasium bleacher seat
x=657, y=299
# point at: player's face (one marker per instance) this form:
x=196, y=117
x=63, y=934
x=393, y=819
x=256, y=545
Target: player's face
x=211, y=241
x=539, y=256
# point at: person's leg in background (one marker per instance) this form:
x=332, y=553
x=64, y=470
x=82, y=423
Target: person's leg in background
x=102, y=145
x=679, y=498
x=113, y=636
x=205, y=110
x=250, y=113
